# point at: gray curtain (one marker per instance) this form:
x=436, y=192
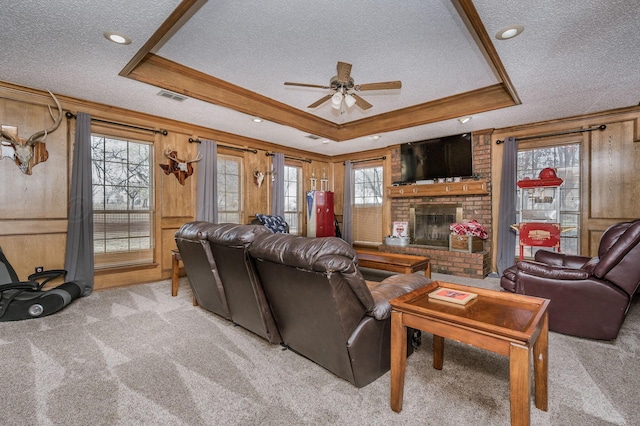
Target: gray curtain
x=206, y=191
x=277, y=195
x=507, y=212
x=347, y=209
x=78, y=260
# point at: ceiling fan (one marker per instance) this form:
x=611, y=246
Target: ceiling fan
x=344, y=87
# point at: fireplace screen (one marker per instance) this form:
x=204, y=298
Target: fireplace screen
x=429, y=223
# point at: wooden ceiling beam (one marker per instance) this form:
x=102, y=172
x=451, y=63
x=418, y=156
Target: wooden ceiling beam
x=149, y=68
x=169, y=75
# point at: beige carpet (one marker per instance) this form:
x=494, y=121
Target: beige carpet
x=136, y=355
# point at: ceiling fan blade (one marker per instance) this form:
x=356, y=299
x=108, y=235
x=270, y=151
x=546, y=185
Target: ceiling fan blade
x=344, y=72
x=379, y=86
x=320, y=101
x=288, y=83
x=361, y=102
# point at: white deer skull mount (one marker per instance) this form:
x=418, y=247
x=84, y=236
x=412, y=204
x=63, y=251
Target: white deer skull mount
x=258, y=177
x=31, y=151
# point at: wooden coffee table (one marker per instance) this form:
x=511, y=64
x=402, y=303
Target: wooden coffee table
x=510, y=324
x=394, y=262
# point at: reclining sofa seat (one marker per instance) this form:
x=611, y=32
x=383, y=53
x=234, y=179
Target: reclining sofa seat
x=324, y=308
x=245, y=297
x=202, y=272
x=589, y=297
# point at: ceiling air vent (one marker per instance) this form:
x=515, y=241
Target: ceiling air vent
x=314, y=137
x=172, y=95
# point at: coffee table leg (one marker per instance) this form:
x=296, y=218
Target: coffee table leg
x=541, y=365
x=519, y=384
x=398, y=360
x=438, y=352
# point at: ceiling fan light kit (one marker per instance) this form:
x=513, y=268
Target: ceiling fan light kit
x=349, y=100
x=344, y=87
x=336, y=100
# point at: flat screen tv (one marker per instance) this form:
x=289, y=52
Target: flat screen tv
x=450, y=156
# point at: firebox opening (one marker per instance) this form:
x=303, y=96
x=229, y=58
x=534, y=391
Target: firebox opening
x=429, y=223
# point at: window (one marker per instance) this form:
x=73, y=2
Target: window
x=293, y=203
x=565, y=159
x=367, y=204
x=229, y=185
x=122, y=201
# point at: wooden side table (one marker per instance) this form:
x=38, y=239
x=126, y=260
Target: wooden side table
x=512, y=325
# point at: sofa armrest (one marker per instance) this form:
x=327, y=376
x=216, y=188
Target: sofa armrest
x=393, y=287
x=552, y=272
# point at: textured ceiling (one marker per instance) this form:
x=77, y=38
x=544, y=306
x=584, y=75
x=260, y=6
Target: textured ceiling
x=574, y=57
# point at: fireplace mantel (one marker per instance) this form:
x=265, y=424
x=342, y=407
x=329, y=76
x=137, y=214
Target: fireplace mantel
x=472, y=187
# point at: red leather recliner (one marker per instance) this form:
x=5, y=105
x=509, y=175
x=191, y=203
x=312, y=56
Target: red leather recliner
x=589, y=296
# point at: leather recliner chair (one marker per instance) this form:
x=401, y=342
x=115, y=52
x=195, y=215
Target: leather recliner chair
x=202, y=272
x=324, y=308
x=589, y=297
x=247, y=303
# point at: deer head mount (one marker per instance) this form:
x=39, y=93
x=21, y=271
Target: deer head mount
x=258, y=177
x=181, y=169
x=31, y=151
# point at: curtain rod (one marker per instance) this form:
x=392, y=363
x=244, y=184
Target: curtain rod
x=192, y=140
x=384, y=157
x=161, y=131
x=590, y=129
x=306, y=160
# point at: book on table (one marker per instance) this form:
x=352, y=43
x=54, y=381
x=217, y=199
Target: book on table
x=453, y=296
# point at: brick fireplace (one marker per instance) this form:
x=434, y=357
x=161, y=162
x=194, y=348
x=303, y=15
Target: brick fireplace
x=466, y=207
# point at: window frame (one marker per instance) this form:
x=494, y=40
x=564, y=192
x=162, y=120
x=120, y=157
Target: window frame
x=295, y=226
x=570, y=239
x=377, y=203
x=104, y=259
x=220, y=194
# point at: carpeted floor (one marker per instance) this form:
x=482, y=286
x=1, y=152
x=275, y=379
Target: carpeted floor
x=136, y=355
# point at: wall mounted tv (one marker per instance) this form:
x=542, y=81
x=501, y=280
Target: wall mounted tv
x=450, y=156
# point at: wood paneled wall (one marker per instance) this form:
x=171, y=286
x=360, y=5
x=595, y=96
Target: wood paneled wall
x=33, y=210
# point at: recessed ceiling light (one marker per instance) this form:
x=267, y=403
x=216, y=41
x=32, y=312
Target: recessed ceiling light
x=257, y=120
x=375, y=137
x=117, y=38
x=463, y=120
x=325, y=142
x=509, y=32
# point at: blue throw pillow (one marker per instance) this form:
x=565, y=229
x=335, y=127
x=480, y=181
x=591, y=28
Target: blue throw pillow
x=275, y=224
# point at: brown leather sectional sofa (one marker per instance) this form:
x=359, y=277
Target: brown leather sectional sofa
x=305, y=293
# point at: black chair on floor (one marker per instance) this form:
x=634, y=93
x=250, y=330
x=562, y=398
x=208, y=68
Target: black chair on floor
x=20, y=300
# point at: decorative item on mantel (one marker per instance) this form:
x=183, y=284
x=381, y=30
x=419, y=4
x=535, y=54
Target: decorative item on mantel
x=181, y=169
x=467, y=237
x=398, y=237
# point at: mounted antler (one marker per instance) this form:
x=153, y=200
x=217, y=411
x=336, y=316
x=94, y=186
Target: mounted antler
x=182, y=165
x=180, y=168
x=24, y=149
